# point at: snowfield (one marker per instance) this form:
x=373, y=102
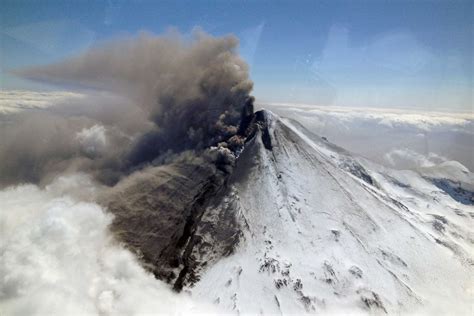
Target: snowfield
x=327, y=232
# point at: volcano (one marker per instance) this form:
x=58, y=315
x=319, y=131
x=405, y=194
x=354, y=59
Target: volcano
x=300, y=225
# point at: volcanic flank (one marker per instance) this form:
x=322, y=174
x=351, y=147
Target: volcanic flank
x=196, y=115
x=159, y=211
x=301, y=224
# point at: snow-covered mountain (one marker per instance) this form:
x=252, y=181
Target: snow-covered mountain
x=321, y=230
x=301, y=225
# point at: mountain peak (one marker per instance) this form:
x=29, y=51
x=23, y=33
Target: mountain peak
x=300, y=223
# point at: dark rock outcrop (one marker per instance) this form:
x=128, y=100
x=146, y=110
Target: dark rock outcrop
x=173, y=216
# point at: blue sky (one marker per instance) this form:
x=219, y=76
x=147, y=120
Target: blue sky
x=349, y=53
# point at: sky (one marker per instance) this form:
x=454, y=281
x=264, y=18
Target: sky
x=408, y=54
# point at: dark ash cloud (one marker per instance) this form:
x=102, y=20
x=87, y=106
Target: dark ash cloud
x=182, y=97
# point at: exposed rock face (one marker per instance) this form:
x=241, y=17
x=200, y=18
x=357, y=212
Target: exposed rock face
x=175, y=216
x=155, y=214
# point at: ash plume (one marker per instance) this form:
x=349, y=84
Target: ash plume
x=191, y=94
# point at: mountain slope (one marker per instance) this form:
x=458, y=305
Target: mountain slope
x=323, y=231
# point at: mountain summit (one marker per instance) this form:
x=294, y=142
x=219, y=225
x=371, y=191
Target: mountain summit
x=300, y=226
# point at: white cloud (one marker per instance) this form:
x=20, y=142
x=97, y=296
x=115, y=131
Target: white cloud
x=407, y=158
x=375, y=132
x=423, y=120
x=58, y=258
x=12, y=101
x=93, y=140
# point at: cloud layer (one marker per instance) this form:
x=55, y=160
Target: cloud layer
x=12, y=101
x=399, y=138
x=59, y=258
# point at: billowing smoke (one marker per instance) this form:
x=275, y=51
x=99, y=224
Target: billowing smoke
x=160, y=132
x=37, y=146
x=178, y=96
x=194, y=90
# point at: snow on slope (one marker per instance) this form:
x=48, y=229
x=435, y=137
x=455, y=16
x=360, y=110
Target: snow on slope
x=327, y=232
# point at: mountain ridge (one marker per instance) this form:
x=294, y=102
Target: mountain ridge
x=303, y=225
x=322, y=232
